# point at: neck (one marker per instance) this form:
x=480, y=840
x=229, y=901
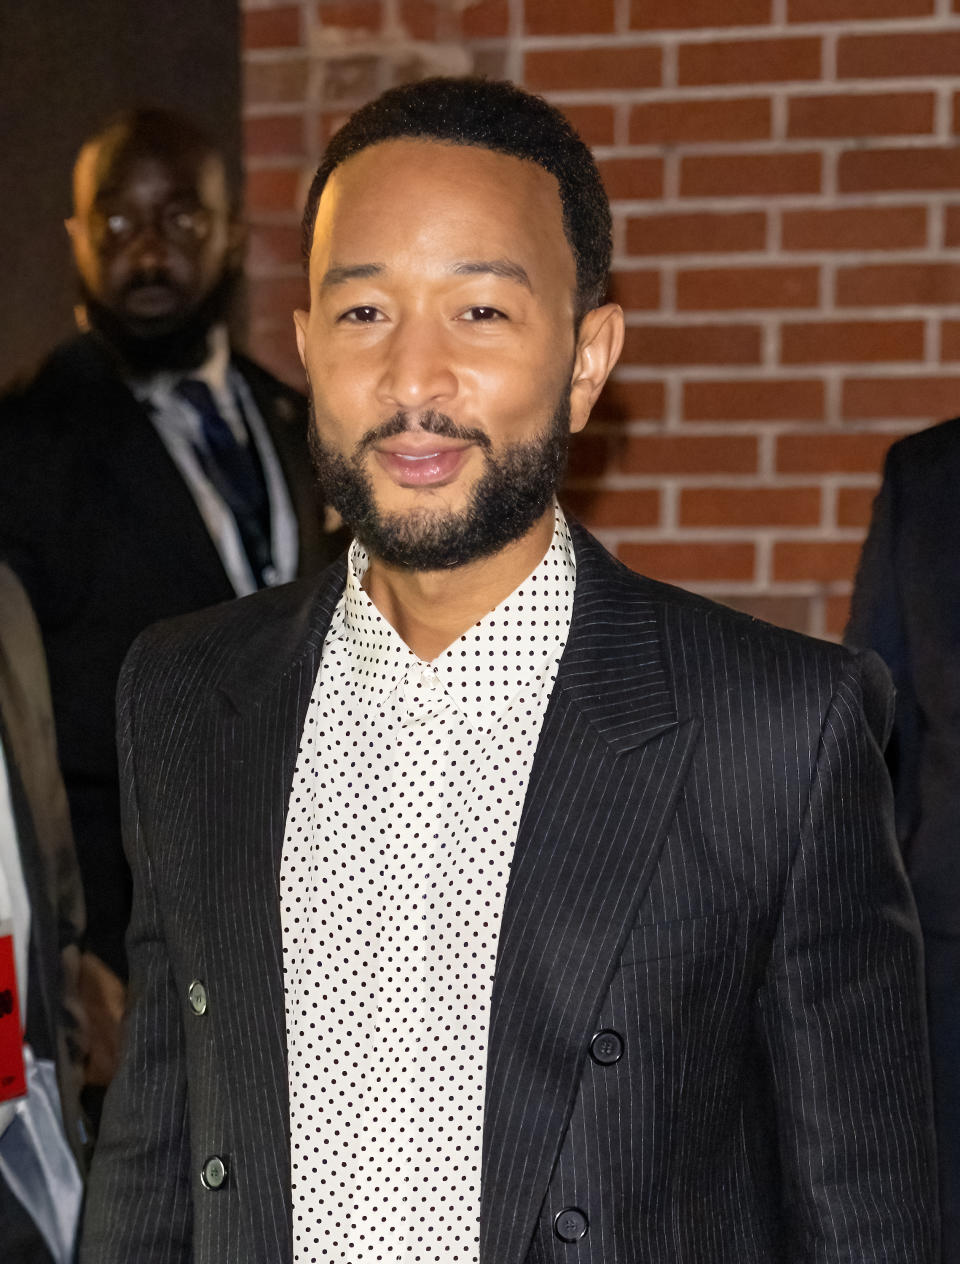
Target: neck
x=431, y=609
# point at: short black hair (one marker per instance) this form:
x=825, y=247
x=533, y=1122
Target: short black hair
x=491, y=114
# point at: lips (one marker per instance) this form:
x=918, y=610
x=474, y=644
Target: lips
x=151, y=300
x=431, y=466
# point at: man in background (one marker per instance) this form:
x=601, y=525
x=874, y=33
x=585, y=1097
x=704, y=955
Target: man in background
x=43, y=1140
x=906, y=606
x=148, y=469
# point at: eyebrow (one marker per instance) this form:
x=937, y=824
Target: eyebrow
x=505, y=268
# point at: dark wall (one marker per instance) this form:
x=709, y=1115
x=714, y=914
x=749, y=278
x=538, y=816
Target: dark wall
x=65, y=65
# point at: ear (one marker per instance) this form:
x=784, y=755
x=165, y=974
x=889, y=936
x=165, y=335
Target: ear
x=300, y=318
x=73, y=227
x=599, y=344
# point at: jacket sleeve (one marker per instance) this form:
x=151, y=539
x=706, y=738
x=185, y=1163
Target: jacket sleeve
x=842, y=1009
x=139, y=1205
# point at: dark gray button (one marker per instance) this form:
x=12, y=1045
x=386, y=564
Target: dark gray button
x=570, y=1225
x=606, y=1048
x=214, y=1172
x=197, y=995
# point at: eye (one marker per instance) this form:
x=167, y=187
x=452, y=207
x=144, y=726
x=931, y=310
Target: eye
x=361, y=315
x=482, y=314
x=117, y=225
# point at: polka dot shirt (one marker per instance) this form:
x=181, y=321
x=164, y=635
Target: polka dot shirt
x=400, y=830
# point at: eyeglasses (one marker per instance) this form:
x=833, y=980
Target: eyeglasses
x=179, y=225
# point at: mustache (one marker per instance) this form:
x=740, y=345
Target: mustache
x=432, y=421
x=149, y=276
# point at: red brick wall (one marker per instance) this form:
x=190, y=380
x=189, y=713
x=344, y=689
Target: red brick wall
x=786, y=191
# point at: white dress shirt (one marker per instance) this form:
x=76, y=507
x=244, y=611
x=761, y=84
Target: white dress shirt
x=179, y=426
x=400, y=831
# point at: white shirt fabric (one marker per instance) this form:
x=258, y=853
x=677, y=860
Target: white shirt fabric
x=402, y=819
x=180, y=428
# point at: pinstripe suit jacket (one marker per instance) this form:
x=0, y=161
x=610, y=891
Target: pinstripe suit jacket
x=705, y=864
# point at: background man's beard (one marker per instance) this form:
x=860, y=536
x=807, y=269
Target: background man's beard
x=178, y=343
x=512, y=493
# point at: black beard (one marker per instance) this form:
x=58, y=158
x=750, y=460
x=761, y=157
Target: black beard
x=146, y=347
x=513, y=492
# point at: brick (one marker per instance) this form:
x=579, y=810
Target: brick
x=630, y=401
x=595, y=123
x=364, y=15
x=567, y=70
x=898, y=284
x=696, y=232
x=898, y=55
x=692, y=344
x=632, y=179
x=637, y=507
x=487, y=19
x=836, y=615
x=273, y=136
x=272, y=246
x=786, y=612
x=275, y=82
x=856, y=228
x=830, y=452
x=749, y=61
x=845, y=10
x=659, y=454
x=552, y=17
x=636, y=290
x=921, y=398
x=851, y=341
x=676, y=122
x=275, y=298
x=725, y=289
x=273, y=345
x=750, y=506
x=271, y=28
x=419, y=19
x=351, y=79
x=666, y=15
x=855, y=506
x=272, y=189
x=822, y=560
x=915, y=167
x=765, y=399
x=749, y=175
x=950, y=340
x=952, y=224
x=693, y=561
x=861, y=114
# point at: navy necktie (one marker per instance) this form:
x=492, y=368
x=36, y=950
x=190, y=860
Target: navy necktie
x=235, y=472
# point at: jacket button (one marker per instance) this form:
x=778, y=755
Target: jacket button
x=197, y=996
x=570, y=1225
x=606, y=1048
x=214, y=1172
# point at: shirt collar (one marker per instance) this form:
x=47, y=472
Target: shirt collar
x=510, y=655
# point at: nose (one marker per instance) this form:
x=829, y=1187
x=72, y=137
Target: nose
x=149, y=247
x=418, y=370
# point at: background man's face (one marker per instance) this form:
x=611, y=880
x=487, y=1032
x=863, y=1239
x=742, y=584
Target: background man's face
x=151, y=236
x=440, y=339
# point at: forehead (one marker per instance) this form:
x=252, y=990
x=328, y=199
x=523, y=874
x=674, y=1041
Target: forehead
x=106, y=173
x=431, y=201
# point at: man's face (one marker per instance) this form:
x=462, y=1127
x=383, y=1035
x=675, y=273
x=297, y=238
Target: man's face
x=440, y=348
x=152, y=236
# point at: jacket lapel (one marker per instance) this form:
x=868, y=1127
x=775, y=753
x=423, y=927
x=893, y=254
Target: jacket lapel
x=610, y=762
x=250, y=755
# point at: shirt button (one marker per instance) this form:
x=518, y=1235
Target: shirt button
x=214, y=1172
x=606, y=1048
x=197, y=996
x=571, y=1225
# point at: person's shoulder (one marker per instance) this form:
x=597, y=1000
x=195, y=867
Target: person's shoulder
x=926, y=449
x=283, y=401
x=69, y=381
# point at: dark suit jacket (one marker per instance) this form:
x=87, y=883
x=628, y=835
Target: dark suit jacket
x=705, y=864
x=906, y=606
x=51, y=877
x=106, y=537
